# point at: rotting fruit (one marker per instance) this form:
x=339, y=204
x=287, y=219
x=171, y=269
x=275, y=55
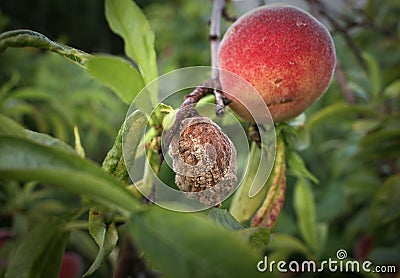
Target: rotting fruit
x=204, y=159
x=285, y=53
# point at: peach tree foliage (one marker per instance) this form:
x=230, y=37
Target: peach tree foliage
x=115, y=210
x=207, y=244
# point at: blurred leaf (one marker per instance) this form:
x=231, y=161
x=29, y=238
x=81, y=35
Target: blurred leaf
x=242, y=206
x=383, y=143
x=286, y=224
x=32, y=93
x=127, y=20
x=224, y=218
x=366, y=125
x=385, y=206
x=331, y=202
x=381, y=137
x=334, y=111
x=375, y=77
x=297, y=165
x=78, y=145
x=40, y=252
x=202, y=248
x=24, y=38
x=385, y=256
x=392, y=90
x=305, y=211
x=288, y=244
x=10, y=127
x=83, y=243
x=296, y=132
x=59, y=126
x=108, y=242
x=258, y=237
x=322, y=232
x=117, y=74
x=25, y=160
x=302, y=138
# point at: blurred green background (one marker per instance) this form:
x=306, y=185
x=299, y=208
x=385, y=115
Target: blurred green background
x=353, y=149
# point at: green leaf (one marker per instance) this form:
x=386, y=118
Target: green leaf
x=381, y=136
x=385, y=255
x=83, y=243
x=298, y=167
x=24, y=38
x=385, y=206
x=258, y=237
x=96, y=225
x=40, y=252
x=117, y=74
x=127, y=20
x=334, y=111
x=224, y=218
x=107, y=244
x=10, y=127
x=187, y=245
x=366, y=125
x=242, y=206
x=47, y=140
x=132, y=131
x=78, y=145
x=374, y=72
x=383, y=143
x=24, y=160
x=392, y=90
x=305, y=211
x=289, y=244
x=123, y=153
x=301, y=140
x=32, y=93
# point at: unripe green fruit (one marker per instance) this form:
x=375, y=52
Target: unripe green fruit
x=285, y=53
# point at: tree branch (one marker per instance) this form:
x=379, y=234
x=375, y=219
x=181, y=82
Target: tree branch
x=215, y=26
x=342, y=82
x=319, y=10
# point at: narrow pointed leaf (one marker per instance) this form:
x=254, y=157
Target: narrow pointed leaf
x=224, y=218
x=117, y=74
x=108, y=242
x=44, y=243
x=187, y=245
x=24, y=38
x=24, y=160
x=242, y=206
x=127, y=20
x=305, y=212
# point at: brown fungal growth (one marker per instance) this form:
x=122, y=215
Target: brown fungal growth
x=204, y=160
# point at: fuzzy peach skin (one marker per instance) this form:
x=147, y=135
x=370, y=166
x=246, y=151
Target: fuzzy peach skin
x=285, y=53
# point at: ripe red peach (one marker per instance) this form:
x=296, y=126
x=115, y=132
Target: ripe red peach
x=284, y=53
